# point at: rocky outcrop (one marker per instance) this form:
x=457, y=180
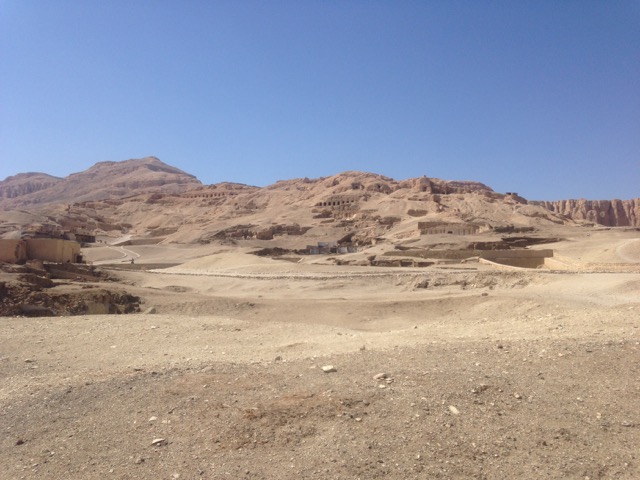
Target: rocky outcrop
x=610, y=213
x=26, y=183
x=444, y=187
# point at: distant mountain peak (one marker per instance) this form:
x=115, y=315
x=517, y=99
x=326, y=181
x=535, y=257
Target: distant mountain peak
x=106, y=179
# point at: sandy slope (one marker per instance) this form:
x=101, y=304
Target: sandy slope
x=489, y=374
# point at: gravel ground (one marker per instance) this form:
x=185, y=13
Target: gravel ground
x=538, y=379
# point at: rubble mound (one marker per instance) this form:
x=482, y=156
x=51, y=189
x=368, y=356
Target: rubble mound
x=47, y=291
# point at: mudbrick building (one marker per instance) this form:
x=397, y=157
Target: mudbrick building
x=55, y=250
x=47, y=243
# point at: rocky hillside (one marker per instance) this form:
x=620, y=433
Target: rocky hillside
x=25, y=184
x=153, y=202
x=356, y=207
x=611, y=213
x=102, y=181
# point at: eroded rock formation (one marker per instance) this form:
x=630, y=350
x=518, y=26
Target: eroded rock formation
x=26, y=183
x=611, y=213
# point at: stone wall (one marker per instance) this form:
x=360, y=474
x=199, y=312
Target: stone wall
x=46, y=249
x=53, y=250
x=13, y=251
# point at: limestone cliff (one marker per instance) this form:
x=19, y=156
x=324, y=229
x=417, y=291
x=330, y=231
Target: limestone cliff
x=26, y=183
x=611, y=213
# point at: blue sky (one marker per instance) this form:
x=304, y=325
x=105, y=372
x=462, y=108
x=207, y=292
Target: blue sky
x=539, y=97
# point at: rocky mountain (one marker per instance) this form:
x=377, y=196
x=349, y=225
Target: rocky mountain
x=611, y=213
x=102, y=181
x=360, y=206
x=25, y=184
x=148, y=199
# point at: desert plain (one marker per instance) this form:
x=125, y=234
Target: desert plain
x=241, y=366
x=346, y=327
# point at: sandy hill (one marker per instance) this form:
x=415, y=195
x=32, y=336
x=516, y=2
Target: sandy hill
x=153, y=202
x=361, y=206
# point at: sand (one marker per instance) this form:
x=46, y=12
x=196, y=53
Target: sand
x=454, y=371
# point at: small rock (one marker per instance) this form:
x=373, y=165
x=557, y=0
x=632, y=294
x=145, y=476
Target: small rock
x=480, y=388
x=19, y=442
x=150, y=311
x=277, y=359
x=380, y=376
x=454, y=410
x=159, y=442
x=153, y=419
x=329, y=369
x=517, y=395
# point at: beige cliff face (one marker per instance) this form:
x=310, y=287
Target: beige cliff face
x=25, y=184
x=610, y=213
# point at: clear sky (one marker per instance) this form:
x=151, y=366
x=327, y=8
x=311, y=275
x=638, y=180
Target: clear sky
x=538, y=97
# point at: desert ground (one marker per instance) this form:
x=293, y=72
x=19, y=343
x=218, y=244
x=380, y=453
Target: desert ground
x=258, y=368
